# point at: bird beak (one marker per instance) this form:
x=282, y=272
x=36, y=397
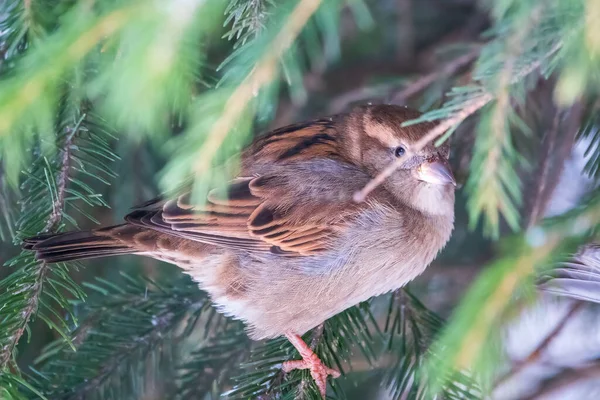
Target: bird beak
x=436, y=172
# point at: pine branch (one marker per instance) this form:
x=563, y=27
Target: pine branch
x=37, y=289
x=141, y=55
x=7, y=208
x=128, y=333
x=27, y=100
x=166, y=42
x=494, y=187
x=62, y=179
x=590, y=129
x=212, y=365
x=247, y=18
x=464, y=342
x=262, y=74
x=143, y=342
x=333, y=343
x=222, y=119
x=39, y=276
x=410, y=329
x=20, y=26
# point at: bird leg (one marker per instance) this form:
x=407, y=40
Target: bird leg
x=310, y=361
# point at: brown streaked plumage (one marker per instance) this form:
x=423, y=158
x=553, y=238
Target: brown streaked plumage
x=285, y=247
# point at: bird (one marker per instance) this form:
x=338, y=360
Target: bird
x=284, y=245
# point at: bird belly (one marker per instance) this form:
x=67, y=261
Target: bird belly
x=273, y=295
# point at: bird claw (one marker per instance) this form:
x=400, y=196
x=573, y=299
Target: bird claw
x=318, y=370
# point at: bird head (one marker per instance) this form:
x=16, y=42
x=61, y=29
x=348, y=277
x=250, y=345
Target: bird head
x=375, y=138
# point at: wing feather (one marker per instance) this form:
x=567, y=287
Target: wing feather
x=266, y=210
x=242, y=217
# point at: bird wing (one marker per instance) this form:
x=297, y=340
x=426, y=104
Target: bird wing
x=254, y=214
x=293, y=196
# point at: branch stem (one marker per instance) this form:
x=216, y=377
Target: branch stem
x=537, y=353
x=566, y=379
x=53, y=222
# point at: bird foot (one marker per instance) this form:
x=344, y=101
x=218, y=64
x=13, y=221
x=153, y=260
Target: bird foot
x=310, y=361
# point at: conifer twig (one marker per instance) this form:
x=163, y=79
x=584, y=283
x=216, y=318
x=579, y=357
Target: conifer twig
x=263, y=73
x=469, y=108
x=148, y=340
x=35, y=85
x=491, y=189
x=52, y=223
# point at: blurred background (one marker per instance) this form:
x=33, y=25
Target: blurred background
x=105, y=104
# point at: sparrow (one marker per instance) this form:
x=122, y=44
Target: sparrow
x=284, y=246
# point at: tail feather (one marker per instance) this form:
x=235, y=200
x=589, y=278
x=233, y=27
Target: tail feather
x=83, y=254
x=32, y=241
x=71, y=246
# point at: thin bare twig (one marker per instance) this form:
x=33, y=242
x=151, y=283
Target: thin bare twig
x=423, y=82
x=555, y=150
x=536, y=354
x=405, y=40
x=407, y=91
x=316, y=336
x=565, y=379
x=541, y=195
x=472, y=106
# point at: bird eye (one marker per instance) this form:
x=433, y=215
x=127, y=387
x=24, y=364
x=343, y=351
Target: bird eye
x=399, y=152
